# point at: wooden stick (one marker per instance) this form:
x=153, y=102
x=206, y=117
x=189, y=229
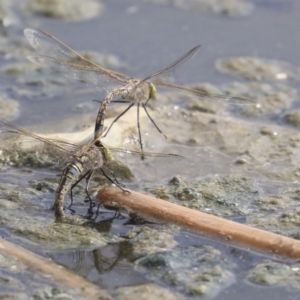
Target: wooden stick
x=230, y=231
x=59, y=274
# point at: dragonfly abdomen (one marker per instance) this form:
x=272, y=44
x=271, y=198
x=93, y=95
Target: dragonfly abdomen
x=74, y=169
x=70, y=174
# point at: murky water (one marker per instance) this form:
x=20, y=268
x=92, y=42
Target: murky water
x=240, y=162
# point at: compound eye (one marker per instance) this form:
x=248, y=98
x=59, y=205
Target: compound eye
x=98, y=143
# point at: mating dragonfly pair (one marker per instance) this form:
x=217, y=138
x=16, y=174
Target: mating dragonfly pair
x=81, y=161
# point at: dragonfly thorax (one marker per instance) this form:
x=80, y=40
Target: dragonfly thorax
x=141, y=92
x=93, y=159
x=127, y=89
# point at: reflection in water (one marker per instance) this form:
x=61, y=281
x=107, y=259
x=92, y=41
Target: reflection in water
x=114, y=257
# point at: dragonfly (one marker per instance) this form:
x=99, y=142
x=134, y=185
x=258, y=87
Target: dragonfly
x=119, y=88
x=77, y=161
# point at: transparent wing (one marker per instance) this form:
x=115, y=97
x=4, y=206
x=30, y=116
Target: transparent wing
x=201, y=94
x=87, y=76
x=170, y=69
x=146, y=154
x=16, y=142
x=57, y=56
x=157, y=77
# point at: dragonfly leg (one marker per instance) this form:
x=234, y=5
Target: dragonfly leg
x=139, y=130
x=158, y=129
x=119, y=101
x=88, y=179
x=88, y=175
x=90, y=212
x=115, y=180
x=112, y=181
x=117, y=118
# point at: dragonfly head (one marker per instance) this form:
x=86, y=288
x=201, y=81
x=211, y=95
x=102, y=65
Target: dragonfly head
x=98, y=143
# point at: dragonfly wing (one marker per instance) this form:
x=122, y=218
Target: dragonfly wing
x=170, y=69
x=16, y=142
x=201, y=94
x=146, y=154
x=87, y=76
x=48, y=46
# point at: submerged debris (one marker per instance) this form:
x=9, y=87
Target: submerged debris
x=74, y=10
x=225, y=195
x=225, y=7
x=148, y=291
x=253, y=68
x=7, y=14
x=146, y=240
x=9, y=108
x=293, y=118
x=275, y=273
x=53, y=293
x=191, y=270
x=268, y=99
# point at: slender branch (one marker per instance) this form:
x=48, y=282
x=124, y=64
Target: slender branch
x=227, y=230
x=59, y=274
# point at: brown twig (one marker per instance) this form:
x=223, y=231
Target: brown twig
x=230, y=231
x=61, y=275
